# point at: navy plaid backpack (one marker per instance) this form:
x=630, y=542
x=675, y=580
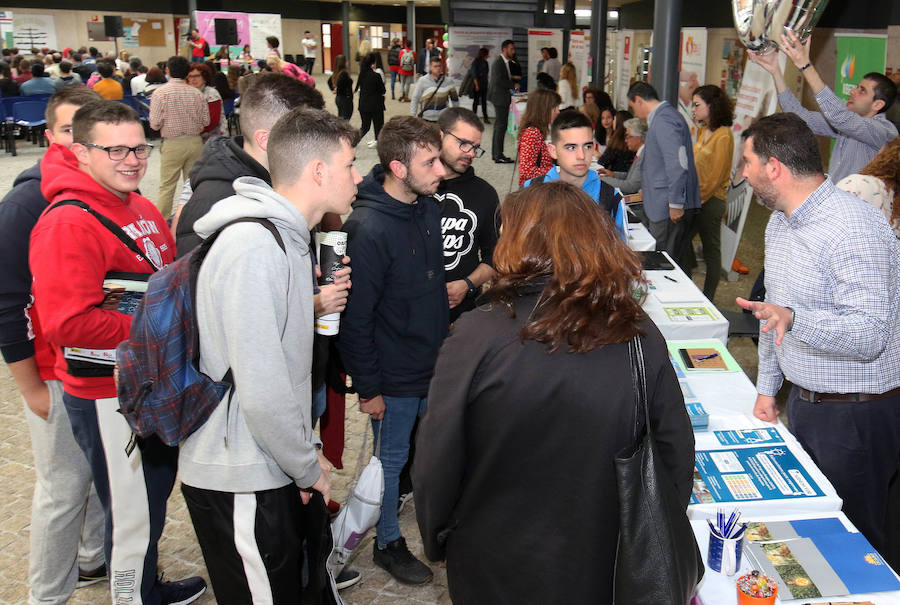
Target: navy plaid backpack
x=160, y=387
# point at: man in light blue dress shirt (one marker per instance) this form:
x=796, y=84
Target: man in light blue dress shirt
x=830, y=321
x=859, y=126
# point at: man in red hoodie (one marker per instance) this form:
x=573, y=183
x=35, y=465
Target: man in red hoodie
x=72, y=252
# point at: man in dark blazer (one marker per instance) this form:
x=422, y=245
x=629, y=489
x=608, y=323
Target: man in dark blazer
x=425, y=56
x=499, y=95
x=671, y=190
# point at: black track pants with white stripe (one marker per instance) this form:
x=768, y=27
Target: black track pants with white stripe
x=133, y=490
x=251, y=543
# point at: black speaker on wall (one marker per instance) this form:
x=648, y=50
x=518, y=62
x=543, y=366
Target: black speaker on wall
x=112, y=25
x=226, y=32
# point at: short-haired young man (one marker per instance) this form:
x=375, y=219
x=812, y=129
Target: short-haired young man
x=831, y=320
x=107, y=87
x=67, y=77
x=269, y=96
x=469, y=207
x=859, y=126
x=433, y=92
x=255, y=316
x=572, y=147
x=71, y=254
x=397, y=313
x=180, y=113
x=671, y=190
x=66, y=535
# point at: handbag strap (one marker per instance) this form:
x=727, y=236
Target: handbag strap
x=639, y=384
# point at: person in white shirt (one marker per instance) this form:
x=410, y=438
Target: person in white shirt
x=309, y=51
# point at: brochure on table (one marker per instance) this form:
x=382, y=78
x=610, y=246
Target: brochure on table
x=718, y=589
x=817, y=558
x=679, y=309
x=738, y=474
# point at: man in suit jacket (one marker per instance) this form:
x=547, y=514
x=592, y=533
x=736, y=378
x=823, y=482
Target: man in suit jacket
x=425, y=56
x=671, y=190
x=499, y=95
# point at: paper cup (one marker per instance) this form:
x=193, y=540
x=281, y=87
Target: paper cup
x=332, y=248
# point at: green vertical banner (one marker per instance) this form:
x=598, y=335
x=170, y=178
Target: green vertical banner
x=857, y=55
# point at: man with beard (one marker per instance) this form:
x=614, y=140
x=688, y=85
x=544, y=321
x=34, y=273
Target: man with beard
x=830, y=318
x=397, y=312
x=468, y=211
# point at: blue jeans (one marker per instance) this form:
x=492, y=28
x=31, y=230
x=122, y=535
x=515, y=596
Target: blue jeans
x=319, y=403
x=393, y=81
x=399, y=417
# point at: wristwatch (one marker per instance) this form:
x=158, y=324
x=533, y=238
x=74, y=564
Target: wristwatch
x=473, y=291
x=790, y=327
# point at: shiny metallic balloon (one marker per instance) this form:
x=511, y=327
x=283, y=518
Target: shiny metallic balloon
x=760, y=23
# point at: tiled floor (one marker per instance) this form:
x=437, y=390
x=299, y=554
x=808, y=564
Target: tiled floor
x=179, y=553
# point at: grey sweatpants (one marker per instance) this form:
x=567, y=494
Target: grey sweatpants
x=66, y=516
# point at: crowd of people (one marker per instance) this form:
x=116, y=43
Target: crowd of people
x=478, y=352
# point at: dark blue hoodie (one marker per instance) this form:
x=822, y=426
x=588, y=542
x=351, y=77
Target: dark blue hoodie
x=19, y=212
x=397, y=314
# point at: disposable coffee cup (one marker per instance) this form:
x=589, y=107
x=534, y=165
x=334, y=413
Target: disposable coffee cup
x=332, y=247
x=724, y=555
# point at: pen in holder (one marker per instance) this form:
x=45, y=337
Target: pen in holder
x=726, y=544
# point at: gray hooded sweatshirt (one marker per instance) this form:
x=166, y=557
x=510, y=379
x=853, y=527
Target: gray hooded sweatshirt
x=255, y=315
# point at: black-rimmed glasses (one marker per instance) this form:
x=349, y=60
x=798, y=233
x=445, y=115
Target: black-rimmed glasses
x=117, y=153
x=467, y=146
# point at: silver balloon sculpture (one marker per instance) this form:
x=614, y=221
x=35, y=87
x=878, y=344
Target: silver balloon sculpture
x=760, y=23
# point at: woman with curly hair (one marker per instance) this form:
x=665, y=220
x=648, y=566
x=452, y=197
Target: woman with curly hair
x=530, y=389
x=533, y=157
x=879, y=183
x=713, y=153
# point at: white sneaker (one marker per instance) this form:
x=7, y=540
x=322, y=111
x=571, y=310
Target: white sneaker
x=371, y=144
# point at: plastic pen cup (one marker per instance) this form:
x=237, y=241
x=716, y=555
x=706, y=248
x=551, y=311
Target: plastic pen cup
x=724, y=555
x=332, y=248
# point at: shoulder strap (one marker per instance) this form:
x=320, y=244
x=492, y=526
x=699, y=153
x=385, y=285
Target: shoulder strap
x=431, y=98
x=110, y=225
x=197, y=260
x=639, y=384
x=539, y=179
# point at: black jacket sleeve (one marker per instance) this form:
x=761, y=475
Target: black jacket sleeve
x=16, y=222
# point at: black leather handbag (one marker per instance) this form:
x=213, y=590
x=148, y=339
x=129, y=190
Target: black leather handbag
x=657, y=560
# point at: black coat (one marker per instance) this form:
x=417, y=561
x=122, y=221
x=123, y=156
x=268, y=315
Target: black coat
x=212, y=178
x=371, y=92
x=514, y=458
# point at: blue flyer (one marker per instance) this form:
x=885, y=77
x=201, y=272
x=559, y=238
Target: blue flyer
x=748, y=436
x=752, y=473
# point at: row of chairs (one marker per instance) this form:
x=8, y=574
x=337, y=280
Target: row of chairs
x=25, y=114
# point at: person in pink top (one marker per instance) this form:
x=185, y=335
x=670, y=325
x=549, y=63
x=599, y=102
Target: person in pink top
x=279, y=65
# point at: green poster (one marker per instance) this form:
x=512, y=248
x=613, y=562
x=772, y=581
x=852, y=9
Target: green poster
x=857, y=55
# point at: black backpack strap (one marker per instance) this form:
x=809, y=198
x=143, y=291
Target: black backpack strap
x=110, y=225
x=197, y=258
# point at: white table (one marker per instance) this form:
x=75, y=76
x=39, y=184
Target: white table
x=674, y=289
x=728, y=398
x=639, y=238
x=718, y=589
